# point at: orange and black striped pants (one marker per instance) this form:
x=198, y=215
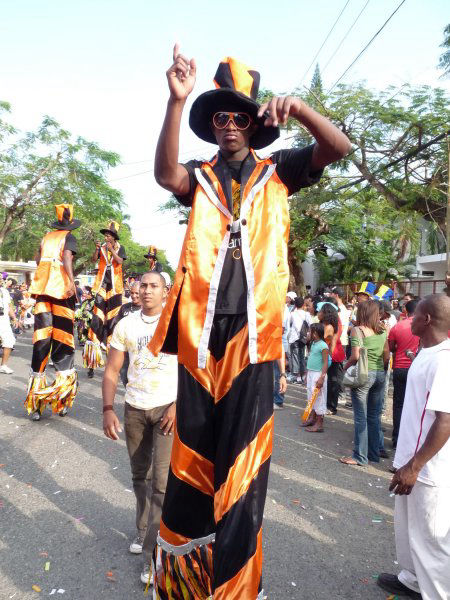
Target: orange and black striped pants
x=53, y=333
x=210, y=539
x=106, y=306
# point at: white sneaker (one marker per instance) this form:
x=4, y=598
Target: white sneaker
x=5, y=369
x=277, y=406
x=145, y=575
x=136, y=546
x=36, y=416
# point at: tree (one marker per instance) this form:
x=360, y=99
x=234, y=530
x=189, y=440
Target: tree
x=444, y=59
x=398, y=153
x=136, y=263
x=369, y=238
x=47, y=167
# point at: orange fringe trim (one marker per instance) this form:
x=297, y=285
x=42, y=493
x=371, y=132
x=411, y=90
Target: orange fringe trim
x=182, y=577
x=61, y=393
x=36, y=382
x=92, y=355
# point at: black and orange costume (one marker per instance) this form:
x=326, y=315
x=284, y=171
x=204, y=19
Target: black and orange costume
x=153, y=263
x=223, y=318
x=53, y=319
x=107, y=291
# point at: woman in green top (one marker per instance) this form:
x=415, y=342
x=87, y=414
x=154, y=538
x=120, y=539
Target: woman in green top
x=367, y=400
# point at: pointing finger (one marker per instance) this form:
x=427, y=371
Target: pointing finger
x=176, y=50
x=182, y=59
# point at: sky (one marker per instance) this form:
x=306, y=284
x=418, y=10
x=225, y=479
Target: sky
x=98, y=67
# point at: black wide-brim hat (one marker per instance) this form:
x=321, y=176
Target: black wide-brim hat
x=113, y=229
x=74, y=225
x=64, y=214
x=152, y=251
x=236, y=91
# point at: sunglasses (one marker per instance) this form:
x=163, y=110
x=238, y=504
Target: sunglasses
x=240, y=120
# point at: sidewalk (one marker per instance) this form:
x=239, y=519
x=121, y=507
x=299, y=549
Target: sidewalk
x=67, y=501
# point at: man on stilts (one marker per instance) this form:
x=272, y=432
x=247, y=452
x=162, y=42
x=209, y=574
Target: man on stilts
x=153, y=263
x=223, y=318
x=107, y=290
x=53, y=287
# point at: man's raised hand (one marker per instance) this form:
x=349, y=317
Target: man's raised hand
x=181, y=75
x=279, y=109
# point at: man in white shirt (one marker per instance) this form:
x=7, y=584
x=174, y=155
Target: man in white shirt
x=7, y=338
x=422, y=460
x=297, y=340
x=344, y=314
x=289, y=305
x=150, y=398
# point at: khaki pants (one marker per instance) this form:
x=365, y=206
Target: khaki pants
x=149, y=450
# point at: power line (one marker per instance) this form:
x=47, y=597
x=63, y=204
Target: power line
x=345, y=37
x=406, y=156
x=129, y=176
x=367, y=45
x=324, y=42
x=182, y=155
x=409, y=154
x=152, y=160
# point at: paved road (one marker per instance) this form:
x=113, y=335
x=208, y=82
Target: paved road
x=66, y=500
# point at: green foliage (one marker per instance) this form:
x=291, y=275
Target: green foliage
x=49, y=166
x=370, y=239
x=172, y=205
x=383, y=127
x=136, y=263
x=316, y=81
x=444, y=59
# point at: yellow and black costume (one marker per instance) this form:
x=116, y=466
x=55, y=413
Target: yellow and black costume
x=153, y=263
x=107, y=291
x=223, y=318
x=53, y=319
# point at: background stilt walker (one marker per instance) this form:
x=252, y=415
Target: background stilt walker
x=54, y=289
x=153, y=263
x=107, y=290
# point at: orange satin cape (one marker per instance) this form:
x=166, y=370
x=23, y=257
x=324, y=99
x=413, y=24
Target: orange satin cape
x=264, y=225
x=116, y=275
x=51, y=278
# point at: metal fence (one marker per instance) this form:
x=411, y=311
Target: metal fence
x=418, y=287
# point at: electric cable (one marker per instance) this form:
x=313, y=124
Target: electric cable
x=367, y=45
x=324, y=42
x=345, y=37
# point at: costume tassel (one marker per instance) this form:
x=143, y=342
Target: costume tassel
x=92, y=355
x=182, y=577
x=61, y=393
x=36, y=382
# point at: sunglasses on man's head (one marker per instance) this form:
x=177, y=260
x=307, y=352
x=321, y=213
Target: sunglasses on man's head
x=241, y=120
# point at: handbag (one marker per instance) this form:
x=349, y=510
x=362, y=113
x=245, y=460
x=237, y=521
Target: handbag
x=360, y=374
x=304, y=330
